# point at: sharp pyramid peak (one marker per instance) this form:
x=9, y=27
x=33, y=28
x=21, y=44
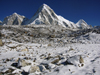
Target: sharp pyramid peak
x=81, y=20
x=44, y=6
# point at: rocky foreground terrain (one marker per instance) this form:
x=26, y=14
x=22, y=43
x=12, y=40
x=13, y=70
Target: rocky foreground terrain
x=47, y=50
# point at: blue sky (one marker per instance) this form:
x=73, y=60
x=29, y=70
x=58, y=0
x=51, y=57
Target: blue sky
x=73, y=10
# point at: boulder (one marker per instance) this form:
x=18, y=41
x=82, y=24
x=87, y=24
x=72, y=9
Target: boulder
x=55, y=61
x=34, y=69
x=24, y=63
x=75, y=60
x=25, y=49
x=37, y=68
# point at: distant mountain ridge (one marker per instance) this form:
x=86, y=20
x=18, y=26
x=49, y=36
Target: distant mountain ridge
x=44, y=15
x=14, y=19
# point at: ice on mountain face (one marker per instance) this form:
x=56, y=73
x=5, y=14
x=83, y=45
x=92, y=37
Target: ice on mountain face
x=14, y=19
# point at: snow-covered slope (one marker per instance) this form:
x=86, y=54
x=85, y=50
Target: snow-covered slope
x=14, y=19
x=45, y=15
x=82, y=24
x=42, y=59
x=92, y=38
x=65, y=22
x=25, y=50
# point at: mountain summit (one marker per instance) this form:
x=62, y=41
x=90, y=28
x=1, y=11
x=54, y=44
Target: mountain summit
x=14, y=19
x=82, y=24
x=45, y=15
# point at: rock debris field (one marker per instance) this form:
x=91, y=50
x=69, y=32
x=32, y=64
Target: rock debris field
x=24, y=53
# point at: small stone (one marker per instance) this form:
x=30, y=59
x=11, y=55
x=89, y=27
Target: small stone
x=7, y=60
x=1, y=43
x=26, y=58
x=81, y=60
x=82, y=64
x=55, y=61
x=25, y=49
x=71, y=49
x=34, y=60
x=49, y=57
x=72, y=71
x=69, y=70
x=49, y=45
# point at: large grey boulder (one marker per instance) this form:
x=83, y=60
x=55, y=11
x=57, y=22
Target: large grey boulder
x=76, y=60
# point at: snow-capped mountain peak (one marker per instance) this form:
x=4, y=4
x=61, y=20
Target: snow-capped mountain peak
x=14, y=19
x=14, y=13
x=82, y=24
x=45, y=5
x=45, y=15
x=81, y=21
